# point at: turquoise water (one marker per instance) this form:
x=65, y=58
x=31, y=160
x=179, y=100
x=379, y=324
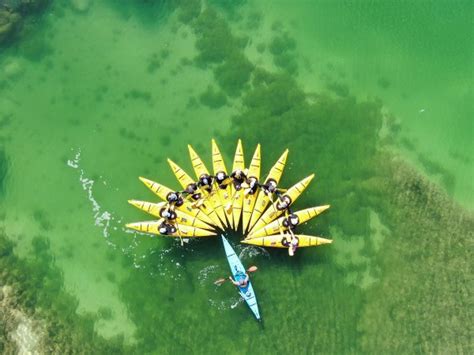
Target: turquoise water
x=373, y=97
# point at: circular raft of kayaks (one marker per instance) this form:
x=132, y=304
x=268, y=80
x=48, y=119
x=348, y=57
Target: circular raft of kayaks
x=224, y=199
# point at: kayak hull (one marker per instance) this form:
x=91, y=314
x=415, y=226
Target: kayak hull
x=238, y=195
x=262, y=200
x=212, y=202
x=152, y=227
x=238, y=271
x=182, y=218
x=250, y=199
x=224, y=193
x=277, y=225
x=276, y=241
x=273, y=212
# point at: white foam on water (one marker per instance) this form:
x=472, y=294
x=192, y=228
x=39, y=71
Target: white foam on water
x=252, y=251
x=101, y=218
x=206, y=272
x=106, y=221
x=225, y=305
x=240, y=300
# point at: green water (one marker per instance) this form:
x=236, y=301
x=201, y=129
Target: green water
x=375, y=97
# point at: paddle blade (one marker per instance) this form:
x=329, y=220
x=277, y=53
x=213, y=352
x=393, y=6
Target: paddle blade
x=252, y=269
x=219, y=282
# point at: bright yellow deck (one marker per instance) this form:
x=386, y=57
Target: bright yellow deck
x=182, y=218
x=272, y=212
x=275, y=241
x=249, y=200
x=224, y=194
x=184, y=179
x=162, y=191
x=277, y=225
x=262, y=200
x=238, y=200
x=212, y=200
x=152, y=227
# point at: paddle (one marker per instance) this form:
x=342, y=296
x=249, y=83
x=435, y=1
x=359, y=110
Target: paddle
x=221, y=281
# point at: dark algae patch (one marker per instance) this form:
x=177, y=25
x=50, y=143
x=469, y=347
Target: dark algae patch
x=424, y=295
x=212, y=98
x=17, y=19
x=282, y=46
x=3, y=170
x=35, y=288
x=219, y=48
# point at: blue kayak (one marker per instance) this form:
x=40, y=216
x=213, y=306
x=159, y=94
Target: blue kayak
x=238, y=272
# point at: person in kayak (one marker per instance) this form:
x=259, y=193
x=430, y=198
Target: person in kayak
x=222, y=180
x=238, y=176
x=283, y=203
x=174, y=199
x=192, y=190
x=168, y=214
x=240, y=283
x=205, y=182
x=167, y=229
x=293, y=245
x=291, y=221
x=253, y=185
x=269, y=188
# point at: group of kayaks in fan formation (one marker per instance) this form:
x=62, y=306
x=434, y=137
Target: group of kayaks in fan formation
x=222, y=200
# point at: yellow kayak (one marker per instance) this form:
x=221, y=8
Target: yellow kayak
x=224, y=193
x=185, y=180
x=155, y=209
x=250, y=198
x=153, y=227
x=276, y=241
x=215, y=208
x=274, y=211
x=228, y=197
x=262, y=199
x=162, y=191
x=278, y=225
x=238, y=195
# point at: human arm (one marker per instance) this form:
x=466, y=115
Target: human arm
x=234, y=282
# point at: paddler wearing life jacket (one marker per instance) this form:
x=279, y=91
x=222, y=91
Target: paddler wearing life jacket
x=174, y=199
x=167, y=229
x=238, y=178
x=269, y=188
x=240, y=283
x=253, y=186
x=205, y=182
x=290, y=222
x=168, y=214
x=169, y=226
x=222, y=180
x=192, y=190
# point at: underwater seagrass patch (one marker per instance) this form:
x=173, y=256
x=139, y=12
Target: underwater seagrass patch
x=229, y=201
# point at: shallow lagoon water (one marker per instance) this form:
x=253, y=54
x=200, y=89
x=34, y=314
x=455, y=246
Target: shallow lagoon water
x=379, y=109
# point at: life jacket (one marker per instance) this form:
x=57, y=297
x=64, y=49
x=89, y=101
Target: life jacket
x=291, y=221
x=167, y=229
x=253, y=185
x=283, y=203
x=220, y=178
